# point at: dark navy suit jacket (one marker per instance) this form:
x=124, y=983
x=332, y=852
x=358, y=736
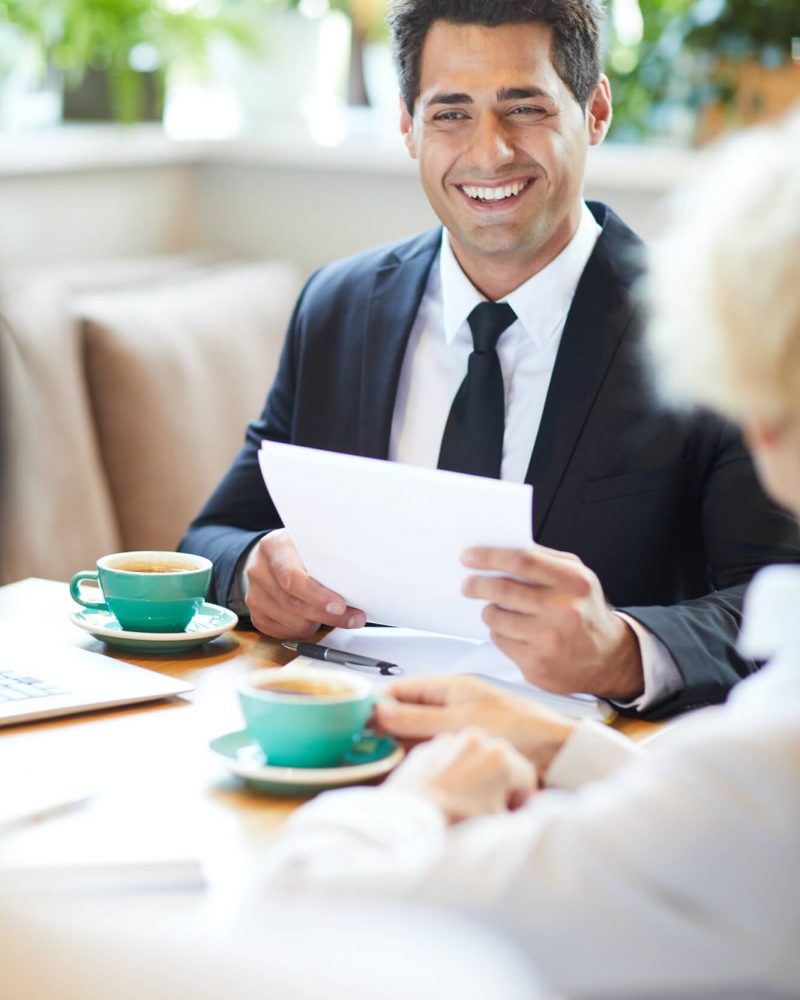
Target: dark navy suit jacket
x=665, y=508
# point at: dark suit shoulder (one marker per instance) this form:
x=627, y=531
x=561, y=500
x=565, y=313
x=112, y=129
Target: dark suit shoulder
x=619, y=251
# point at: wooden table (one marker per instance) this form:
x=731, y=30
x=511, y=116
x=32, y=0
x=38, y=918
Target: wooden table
x=159, y=787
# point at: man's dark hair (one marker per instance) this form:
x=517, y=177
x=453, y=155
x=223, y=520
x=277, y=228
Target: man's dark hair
x=575, y=25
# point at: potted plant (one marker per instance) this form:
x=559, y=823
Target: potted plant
x=123, y=49
x=753, y=74
x=691, y=68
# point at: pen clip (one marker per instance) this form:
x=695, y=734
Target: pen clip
x=384, y=669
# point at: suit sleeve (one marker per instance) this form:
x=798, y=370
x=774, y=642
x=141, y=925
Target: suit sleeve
x=742, y=531
x=240, y=510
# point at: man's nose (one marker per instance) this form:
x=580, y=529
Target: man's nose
x=491, y=144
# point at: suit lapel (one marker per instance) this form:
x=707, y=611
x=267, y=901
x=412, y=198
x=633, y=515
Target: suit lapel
x=392, y=308
x=600, y=313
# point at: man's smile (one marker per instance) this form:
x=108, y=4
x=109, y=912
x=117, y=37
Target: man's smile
x=495, y=195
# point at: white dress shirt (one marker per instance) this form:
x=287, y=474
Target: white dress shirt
x=676, y=874
x=441, y=342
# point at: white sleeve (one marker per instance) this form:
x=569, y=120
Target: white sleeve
x=661, y=675
x=677, y=871
x=591, y=753
x=357, y=838
x=680, y=870
x=238, y=591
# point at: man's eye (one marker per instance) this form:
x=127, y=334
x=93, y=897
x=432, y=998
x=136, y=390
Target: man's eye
x=450, y=116
x=528, y=111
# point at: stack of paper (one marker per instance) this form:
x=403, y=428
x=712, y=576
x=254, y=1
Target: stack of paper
x=389, y=537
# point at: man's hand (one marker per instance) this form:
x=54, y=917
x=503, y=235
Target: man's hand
x=283, y=599
x=467, y=774
x=425, y=706
x=548, y=614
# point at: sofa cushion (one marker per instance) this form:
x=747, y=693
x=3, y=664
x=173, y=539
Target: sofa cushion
x=175, y=373
x=56, y=510
x=56, y=514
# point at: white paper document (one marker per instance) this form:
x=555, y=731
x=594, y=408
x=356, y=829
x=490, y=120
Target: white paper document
x=423, y=654
x=388, y=537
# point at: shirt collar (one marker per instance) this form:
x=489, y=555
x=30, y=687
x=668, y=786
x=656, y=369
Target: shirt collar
x=541, y=303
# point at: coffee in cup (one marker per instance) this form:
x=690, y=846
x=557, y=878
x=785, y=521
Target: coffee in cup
x=147, y=591
x=305, y=716
x=140, y=565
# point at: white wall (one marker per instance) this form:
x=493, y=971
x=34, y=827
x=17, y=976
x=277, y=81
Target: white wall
x=87, y=215
x=308, y=215
x=94, y=193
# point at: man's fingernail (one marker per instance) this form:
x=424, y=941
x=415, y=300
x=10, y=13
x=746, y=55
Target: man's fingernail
x=355, y=621
x=336, y=608
x=468, y=557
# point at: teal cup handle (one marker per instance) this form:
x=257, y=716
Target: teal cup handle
x=75, y=590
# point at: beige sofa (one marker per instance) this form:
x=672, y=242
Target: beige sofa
x=125, y=388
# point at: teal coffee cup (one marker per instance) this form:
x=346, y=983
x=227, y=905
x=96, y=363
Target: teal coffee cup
x=305, y=716
x=147, y=591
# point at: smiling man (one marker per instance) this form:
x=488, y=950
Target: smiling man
x=506, y=344
x=501, y=142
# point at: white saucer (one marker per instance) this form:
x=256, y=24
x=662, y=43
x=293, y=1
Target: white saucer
x=243, y=757
x=210, y=621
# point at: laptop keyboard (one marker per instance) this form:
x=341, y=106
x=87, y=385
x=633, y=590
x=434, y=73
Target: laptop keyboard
x=16, y=687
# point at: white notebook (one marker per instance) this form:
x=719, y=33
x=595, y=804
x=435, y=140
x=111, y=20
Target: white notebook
x=421, y=654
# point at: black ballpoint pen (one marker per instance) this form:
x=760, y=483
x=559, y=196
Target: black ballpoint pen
x=319, y=652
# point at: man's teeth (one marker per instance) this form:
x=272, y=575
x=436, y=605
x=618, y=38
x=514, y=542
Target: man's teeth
x=494, y=193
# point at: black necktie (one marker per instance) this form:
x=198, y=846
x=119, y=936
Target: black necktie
x=473, y=435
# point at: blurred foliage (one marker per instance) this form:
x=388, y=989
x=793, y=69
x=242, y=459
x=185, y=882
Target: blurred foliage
x=668, y=60
x=743, y=29
x=681, y=57
x=368, y=17
x=108, y=35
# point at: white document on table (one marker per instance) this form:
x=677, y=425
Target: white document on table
x=423, y=654
x=388, y=537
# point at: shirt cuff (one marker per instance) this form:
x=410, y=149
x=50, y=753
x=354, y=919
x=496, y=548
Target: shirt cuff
x=591, y=753
x=661, y=675
x=238, y=590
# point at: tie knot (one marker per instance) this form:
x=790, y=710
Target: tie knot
x=487, y=321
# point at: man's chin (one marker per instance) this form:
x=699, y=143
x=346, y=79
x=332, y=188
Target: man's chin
x=497, y=244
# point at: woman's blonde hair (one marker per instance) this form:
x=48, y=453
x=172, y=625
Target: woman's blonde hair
x=724, y=283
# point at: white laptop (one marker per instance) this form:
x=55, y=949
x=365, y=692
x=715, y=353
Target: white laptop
x=61, y=680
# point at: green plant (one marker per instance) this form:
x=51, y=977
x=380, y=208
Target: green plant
x=122, y=37
x=670, y=68
x=368, y=16
x=746, y=29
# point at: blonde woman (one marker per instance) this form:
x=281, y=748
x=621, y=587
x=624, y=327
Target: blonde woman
x=667, y=871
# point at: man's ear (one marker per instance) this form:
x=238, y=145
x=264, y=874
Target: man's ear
x=599, y=111
x=407, y=129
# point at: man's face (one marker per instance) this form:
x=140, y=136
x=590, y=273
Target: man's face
x=501, y=142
